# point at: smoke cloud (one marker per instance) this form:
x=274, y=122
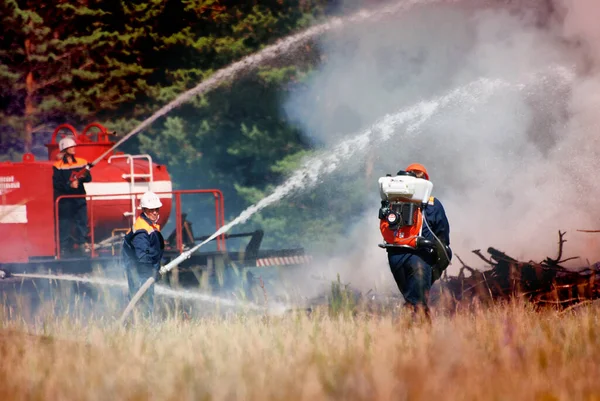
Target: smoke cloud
x=511, y=169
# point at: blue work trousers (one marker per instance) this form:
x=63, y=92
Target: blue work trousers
x=413, y=276
x=137, y=275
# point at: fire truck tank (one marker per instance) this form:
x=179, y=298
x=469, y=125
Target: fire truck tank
x=27, y=205
x=113, y=182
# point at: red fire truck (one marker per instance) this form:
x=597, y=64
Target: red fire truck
x=29, y=214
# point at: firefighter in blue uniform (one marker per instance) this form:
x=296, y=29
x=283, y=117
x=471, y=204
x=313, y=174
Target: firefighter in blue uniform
x=72, y=212
x=415, y=270
x=142, y=251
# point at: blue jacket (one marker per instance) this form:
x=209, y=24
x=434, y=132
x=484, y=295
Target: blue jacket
x=437, y=220
x=143, y=244
x=61, y=178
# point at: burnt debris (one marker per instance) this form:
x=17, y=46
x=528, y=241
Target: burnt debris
x=546, y=283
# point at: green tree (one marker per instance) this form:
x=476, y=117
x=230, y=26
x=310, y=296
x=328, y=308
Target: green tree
x=235, y=134
x=74, y=61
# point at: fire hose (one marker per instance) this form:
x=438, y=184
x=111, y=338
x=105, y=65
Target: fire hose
x=164, y=270
x=84, y=171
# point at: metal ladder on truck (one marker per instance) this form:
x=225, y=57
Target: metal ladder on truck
x=135, y=178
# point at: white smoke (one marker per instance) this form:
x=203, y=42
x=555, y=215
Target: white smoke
x=510, y=171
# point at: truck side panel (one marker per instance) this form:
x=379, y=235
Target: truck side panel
x=26, y=211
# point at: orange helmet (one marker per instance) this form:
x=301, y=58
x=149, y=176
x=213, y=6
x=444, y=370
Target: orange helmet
x=418, y=167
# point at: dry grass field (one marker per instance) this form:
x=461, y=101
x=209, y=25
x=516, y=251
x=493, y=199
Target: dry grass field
x=508, y=352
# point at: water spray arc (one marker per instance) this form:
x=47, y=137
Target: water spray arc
x=307, y=176
x=269, y=53
x=190, y=295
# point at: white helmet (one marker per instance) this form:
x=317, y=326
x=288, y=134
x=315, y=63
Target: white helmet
x=150, y=201
x=66, y=142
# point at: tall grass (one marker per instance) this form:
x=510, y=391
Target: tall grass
x=508, y=352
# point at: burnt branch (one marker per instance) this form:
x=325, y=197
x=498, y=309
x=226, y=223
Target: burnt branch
x=465, y=266
x=567, y=259
x=561, y=242
x=500, y=256
x=478, y=253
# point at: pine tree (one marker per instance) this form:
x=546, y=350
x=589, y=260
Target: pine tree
x=236, y=133
x=72, y=61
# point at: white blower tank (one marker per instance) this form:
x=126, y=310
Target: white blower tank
x=405, y=188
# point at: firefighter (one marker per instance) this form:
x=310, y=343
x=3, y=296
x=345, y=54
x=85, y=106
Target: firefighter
x=72, y=212
x=142, y=251
x=416, y=268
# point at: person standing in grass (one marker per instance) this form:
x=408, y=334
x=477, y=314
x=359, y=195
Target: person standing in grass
x=415, y=268
x=142, y=251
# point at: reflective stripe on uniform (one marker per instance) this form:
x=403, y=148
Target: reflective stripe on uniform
x=79, y=162
x=142, y=224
